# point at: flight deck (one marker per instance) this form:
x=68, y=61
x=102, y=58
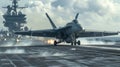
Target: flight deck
x=23, y=51
x=58, y=56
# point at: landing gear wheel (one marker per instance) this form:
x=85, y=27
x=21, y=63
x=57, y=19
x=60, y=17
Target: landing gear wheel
x=72, y=43
x=55, y=43
x=75, y=43
x=78, y=42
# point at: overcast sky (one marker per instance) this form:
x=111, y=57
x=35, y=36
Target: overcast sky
x=94, y=14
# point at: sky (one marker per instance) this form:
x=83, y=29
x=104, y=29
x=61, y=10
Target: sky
x=103, y=15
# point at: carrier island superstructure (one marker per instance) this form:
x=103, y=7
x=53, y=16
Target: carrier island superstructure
x=14, y=20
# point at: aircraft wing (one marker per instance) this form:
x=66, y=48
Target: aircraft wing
x=95, y=34
x=42, y=33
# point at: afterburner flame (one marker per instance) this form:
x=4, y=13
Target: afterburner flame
x=50, y=41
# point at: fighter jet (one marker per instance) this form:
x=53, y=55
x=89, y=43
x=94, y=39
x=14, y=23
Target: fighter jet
x=68, y=33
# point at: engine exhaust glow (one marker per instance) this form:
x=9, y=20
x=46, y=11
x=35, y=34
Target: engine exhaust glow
x=50, y=41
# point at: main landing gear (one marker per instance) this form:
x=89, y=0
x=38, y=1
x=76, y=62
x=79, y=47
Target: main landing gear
x=76, y=42
x=55, y=43
x=72, y=43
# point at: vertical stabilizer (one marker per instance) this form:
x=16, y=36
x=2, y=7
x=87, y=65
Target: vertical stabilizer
x=53, y=25
x=76, y=17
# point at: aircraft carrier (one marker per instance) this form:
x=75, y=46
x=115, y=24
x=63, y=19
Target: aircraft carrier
x=35, y=53
x=14, y=20
x=59, y=56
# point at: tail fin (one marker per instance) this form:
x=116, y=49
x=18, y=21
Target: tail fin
x=53, y=25
x=76, y=16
